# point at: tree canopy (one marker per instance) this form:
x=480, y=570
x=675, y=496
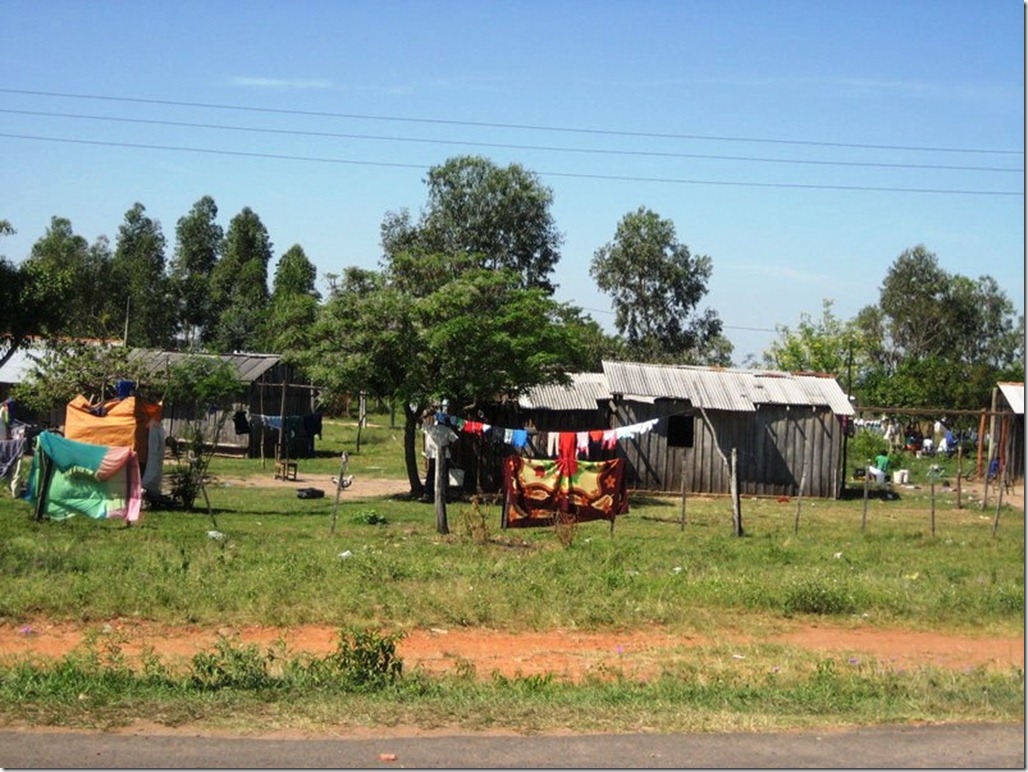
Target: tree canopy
x=655, y=283
x=406, y=335
x=934, y=340
x=501, y=215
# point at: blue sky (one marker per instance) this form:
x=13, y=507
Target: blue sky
x=799, y=145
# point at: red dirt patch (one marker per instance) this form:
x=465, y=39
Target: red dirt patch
x=565, y=654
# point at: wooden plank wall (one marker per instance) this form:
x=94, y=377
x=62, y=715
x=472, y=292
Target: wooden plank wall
x=772, y=445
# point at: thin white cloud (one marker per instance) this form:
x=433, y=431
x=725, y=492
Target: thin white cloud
x=281, y=83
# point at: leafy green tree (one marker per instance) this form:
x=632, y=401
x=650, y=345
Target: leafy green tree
x=593, y=345
x=937, y=340
x=17, y=320
x=140, y=282
x=404, y=335
x=826, y=346
x=294, y=303
x=63, y=369
x=655, y=284
x=198, y=245
x=196, y=385
x=239, y=285
x=53, y=275
x=501, y=215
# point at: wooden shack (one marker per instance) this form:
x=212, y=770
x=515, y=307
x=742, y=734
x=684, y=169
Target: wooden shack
x=784, y=427
x=273, y=389
x=1007, y=432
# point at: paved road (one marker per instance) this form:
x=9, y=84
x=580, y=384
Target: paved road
x=970, y=746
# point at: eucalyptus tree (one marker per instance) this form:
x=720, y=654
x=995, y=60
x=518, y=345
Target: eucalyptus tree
x=239, y=285
x=655, y=284
x=140, y=281
x=198, y=240
x=294, y=303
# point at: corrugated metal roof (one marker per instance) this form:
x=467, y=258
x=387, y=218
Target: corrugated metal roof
x=250, y=367
x=17, y=368
x=1014, y=392
x=583, y=393
x=716, y=388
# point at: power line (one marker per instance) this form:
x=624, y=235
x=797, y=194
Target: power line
x=570, y=175
x=506, y=146
x=519, y=126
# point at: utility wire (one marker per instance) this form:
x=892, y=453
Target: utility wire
x=519, y=126
x=570, y=175
x=506, y=146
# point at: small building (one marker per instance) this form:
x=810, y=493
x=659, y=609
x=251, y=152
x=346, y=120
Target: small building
x=1007, y=434
x=273, y=390
x=786, y=428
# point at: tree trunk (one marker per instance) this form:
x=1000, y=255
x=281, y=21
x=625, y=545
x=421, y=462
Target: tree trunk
x=410, y=435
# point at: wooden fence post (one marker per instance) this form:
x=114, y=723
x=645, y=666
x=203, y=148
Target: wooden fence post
x=736, y=505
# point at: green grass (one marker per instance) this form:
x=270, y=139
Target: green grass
x=278, y=563
x=239, y=688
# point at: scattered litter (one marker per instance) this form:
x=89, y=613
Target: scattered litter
x=738, y=656
x=346, y=554
x=387, y=757
x=438, y=630
x=676, y=570
x=216, y=535
x=27, y=630
x=837, y=555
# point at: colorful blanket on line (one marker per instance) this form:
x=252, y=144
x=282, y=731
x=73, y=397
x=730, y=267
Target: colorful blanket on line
x=537, y=491
x=69, y=478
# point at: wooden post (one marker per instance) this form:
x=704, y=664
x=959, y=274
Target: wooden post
x=863, y=522
x=283, y=452
x=960, y=472
x=999, y=501
x=339, y=488
x=736, y=508
x=362, y=412
x=681, y=524
x=440, y=491
x=933, y=476
x=799, y=497
x=264, y=422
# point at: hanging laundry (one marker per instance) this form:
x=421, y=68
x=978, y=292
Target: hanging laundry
x=567, y=456
x=520, y=438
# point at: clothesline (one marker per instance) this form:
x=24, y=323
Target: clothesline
x=519, y=437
